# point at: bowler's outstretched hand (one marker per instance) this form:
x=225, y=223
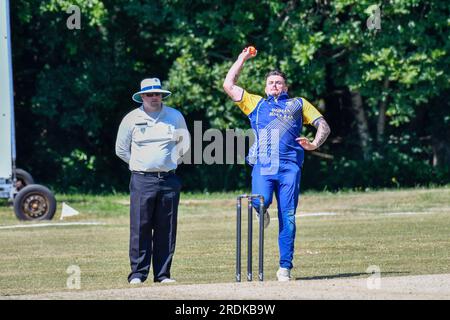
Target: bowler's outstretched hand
x=247, y=53
x=306, y=144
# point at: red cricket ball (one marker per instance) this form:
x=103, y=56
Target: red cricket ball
x=252, y=50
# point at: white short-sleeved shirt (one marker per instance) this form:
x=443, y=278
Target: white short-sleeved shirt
x=152, y=144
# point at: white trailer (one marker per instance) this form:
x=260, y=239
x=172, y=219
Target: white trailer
x=31, y=201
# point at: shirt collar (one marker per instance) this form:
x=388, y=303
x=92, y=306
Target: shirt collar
x=282, y=96
x=160, y=111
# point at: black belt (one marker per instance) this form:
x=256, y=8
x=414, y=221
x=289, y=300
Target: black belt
x=158, y=174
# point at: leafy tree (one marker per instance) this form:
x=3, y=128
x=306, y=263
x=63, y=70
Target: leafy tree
x=383, y=91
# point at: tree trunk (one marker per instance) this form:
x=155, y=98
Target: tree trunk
x=441, y=153
x=381, y=123
x=362, y=124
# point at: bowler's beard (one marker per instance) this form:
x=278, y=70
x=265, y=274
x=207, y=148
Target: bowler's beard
x=276, y=95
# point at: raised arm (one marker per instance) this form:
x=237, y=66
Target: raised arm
x=323, y=130
x=229, y=84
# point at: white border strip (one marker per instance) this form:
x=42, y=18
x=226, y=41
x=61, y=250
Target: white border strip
x=52, y=225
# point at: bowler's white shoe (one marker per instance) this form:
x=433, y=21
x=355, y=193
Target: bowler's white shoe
x=266, y=218
x=168, y=280
x=284, y=274
x=135, y=281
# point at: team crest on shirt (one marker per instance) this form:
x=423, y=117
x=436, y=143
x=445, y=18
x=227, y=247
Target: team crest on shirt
x=283, y=114
x=289, y=113
x=142, y=126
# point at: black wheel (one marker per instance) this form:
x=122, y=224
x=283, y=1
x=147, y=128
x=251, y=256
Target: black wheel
x=23, y=179
x=35, y=202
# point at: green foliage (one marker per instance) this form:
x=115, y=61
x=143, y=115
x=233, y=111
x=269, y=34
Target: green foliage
x=74, y=86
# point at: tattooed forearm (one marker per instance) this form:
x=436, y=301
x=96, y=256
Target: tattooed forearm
x=235, y=72
x=323, y=130
x=236, y=76
x=229, y=84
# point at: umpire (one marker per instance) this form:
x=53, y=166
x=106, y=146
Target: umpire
x=151, y=139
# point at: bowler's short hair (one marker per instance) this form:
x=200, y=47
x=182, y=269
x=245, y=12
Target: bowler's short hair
x=276, y=73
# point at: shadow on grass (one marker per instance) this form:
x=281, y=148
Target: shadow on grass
x=349, y=275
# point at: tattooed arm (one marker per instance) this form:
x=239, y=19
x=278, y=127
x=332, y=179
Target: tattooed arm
x=323, y=130
x=229, y=85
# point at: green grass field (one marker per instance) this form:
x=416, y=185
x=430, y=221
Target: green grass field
x=403, y=232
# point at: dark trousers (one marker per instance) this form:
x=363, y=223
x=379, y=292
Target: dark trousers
x=153, y=224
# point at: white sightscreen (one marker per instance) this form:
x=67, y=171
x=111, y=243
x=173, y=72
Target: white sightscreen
x=6, y=92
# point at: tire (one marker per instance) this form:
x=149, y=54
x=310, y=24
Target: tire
x=35, y=202
x=23, y=179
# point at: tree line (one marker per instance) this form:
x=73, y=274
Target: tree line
x=384, y=90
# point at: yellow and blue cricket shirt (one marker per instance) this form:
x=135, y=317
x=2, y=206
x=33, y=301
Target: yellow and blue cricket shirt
x=285, y=115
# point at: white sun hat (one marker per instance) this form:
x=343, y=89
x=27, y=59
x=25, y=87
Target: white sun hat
x=150, y=85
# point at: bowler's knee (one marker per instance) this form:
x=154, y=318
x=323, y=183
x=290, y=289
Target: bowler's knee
x=256, y=203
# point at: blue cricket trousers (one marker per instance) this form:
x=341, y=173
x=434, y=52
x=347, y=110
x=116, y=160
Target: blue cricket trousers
x=153, y=224
x=286, y=185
